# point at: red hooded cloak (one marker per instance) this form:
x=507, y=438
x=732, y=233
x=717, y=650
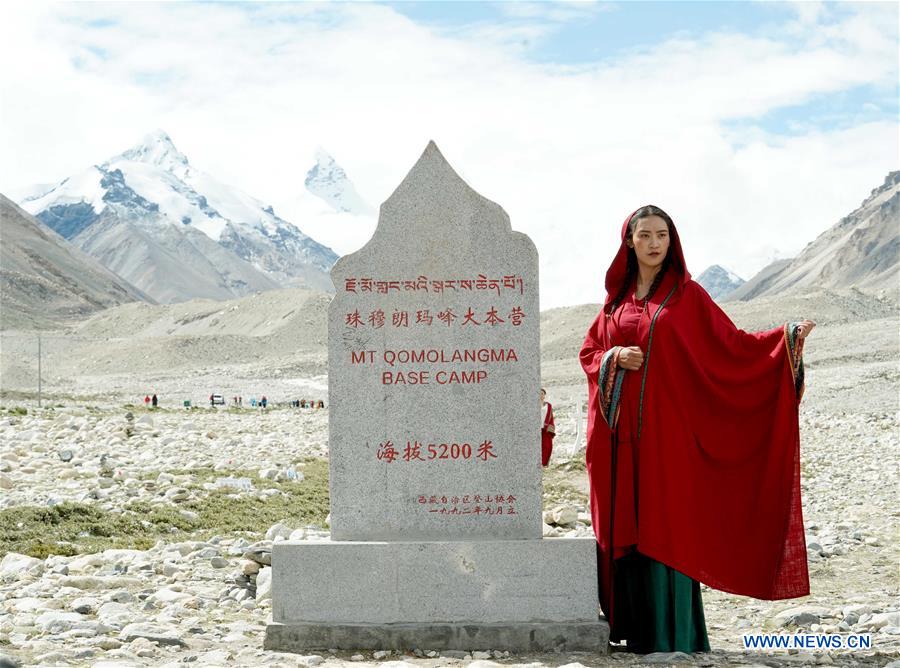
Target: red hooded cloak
x=709, y=481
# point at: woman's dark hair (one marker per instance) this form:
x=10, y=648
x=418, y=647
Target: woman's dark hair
x=631, y=269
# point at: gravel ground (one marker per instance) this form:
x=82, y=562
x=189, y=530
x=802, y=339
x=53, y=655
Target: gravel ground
x=193, y=597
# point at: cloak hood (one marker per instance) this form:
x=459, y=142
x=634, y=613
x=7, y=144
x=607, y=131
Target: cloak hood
x=618, y=269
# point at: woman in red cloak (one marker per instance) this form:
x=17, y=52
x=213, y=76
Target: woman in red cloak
x=548, y=429
x=693, y=447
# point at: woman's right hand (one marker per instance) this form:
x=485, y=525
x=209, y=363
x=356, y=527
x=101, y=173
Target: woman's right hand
x=631, y=358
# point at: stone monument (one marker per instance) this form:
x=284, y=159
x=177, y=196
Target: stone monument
x=434, y=446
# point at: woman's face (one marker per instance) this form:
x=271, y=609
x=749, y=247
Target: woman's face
x=650, y=241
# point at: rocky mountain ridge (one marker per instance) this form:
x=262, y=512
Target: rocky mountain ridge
x=45, y=281
x=175, y=232
x=861, y=250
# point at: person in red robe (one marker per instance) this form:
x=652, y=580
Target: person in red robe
x=548, y=429
x=692, y=447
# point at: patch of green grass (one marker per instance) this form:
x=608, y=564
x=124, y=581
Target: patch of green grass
x=48, y=396
x=305, y=502
x=17, y=410
x=140, y=408
x=558, y=488
x=562, y=493
x=68, y=528
x=20, y=395
x=75, y=528
x=575, y=464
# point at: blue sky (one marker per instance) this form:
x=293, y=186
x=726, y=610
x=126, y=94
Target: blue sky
x=609, y=29
x=757, y=125
x=594, y=33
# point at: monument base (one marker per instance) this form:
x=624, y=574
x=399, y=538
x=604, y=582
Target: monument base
x=520, y=637
x=516, y=595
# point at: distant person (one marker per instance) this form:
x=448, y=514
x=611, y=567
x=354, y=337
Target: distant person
x=212, y=401
x=321, y=404
x=548, y=429
x=693, y=447
x=303, y=403
x=154, y=401
x=264, y=402
x=253, y=402
x=240, y=400
x=146, y=400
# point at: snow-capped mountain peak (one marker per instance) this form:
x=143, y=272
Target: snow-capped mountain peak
x=176, y=232
x=325, y=160
x=328, y=181
x=719, y=281
x=156, y=149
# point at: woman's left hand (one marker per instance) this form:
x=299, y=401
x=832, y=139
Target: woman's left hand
x=804, y=328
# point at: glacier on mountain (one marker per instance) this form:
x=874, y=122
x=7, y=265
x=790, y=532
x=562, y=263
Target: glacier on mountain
x=176, y=232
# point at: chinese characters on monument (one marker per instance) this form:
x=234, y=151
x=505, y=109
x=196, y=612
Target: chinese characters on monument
x=433, y=383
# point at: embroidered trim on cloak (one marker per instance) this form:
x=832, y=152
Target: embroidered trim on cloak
x=609, y=382
x=647, y=358
x=795, y=357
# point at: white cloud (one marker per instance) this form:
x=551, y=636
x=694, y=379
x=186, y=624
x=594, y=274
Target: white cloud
x=249, y=92
x=557, y=12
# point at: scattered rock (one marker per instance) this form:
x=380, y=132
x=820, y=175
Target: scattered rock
x=14, y=566
x=57, y=622
x=84, y=605
x=277, y=531
x=116, y=615
x=800, y=616
x=249, y=567
x=9, y=661
x=561, y=516
x=169, y=596
x=177, y=494
x=261, y=555
x=157, y=633
x=264, y=584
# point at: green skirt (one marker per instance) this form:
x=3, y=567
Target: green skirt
x=657, y=609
